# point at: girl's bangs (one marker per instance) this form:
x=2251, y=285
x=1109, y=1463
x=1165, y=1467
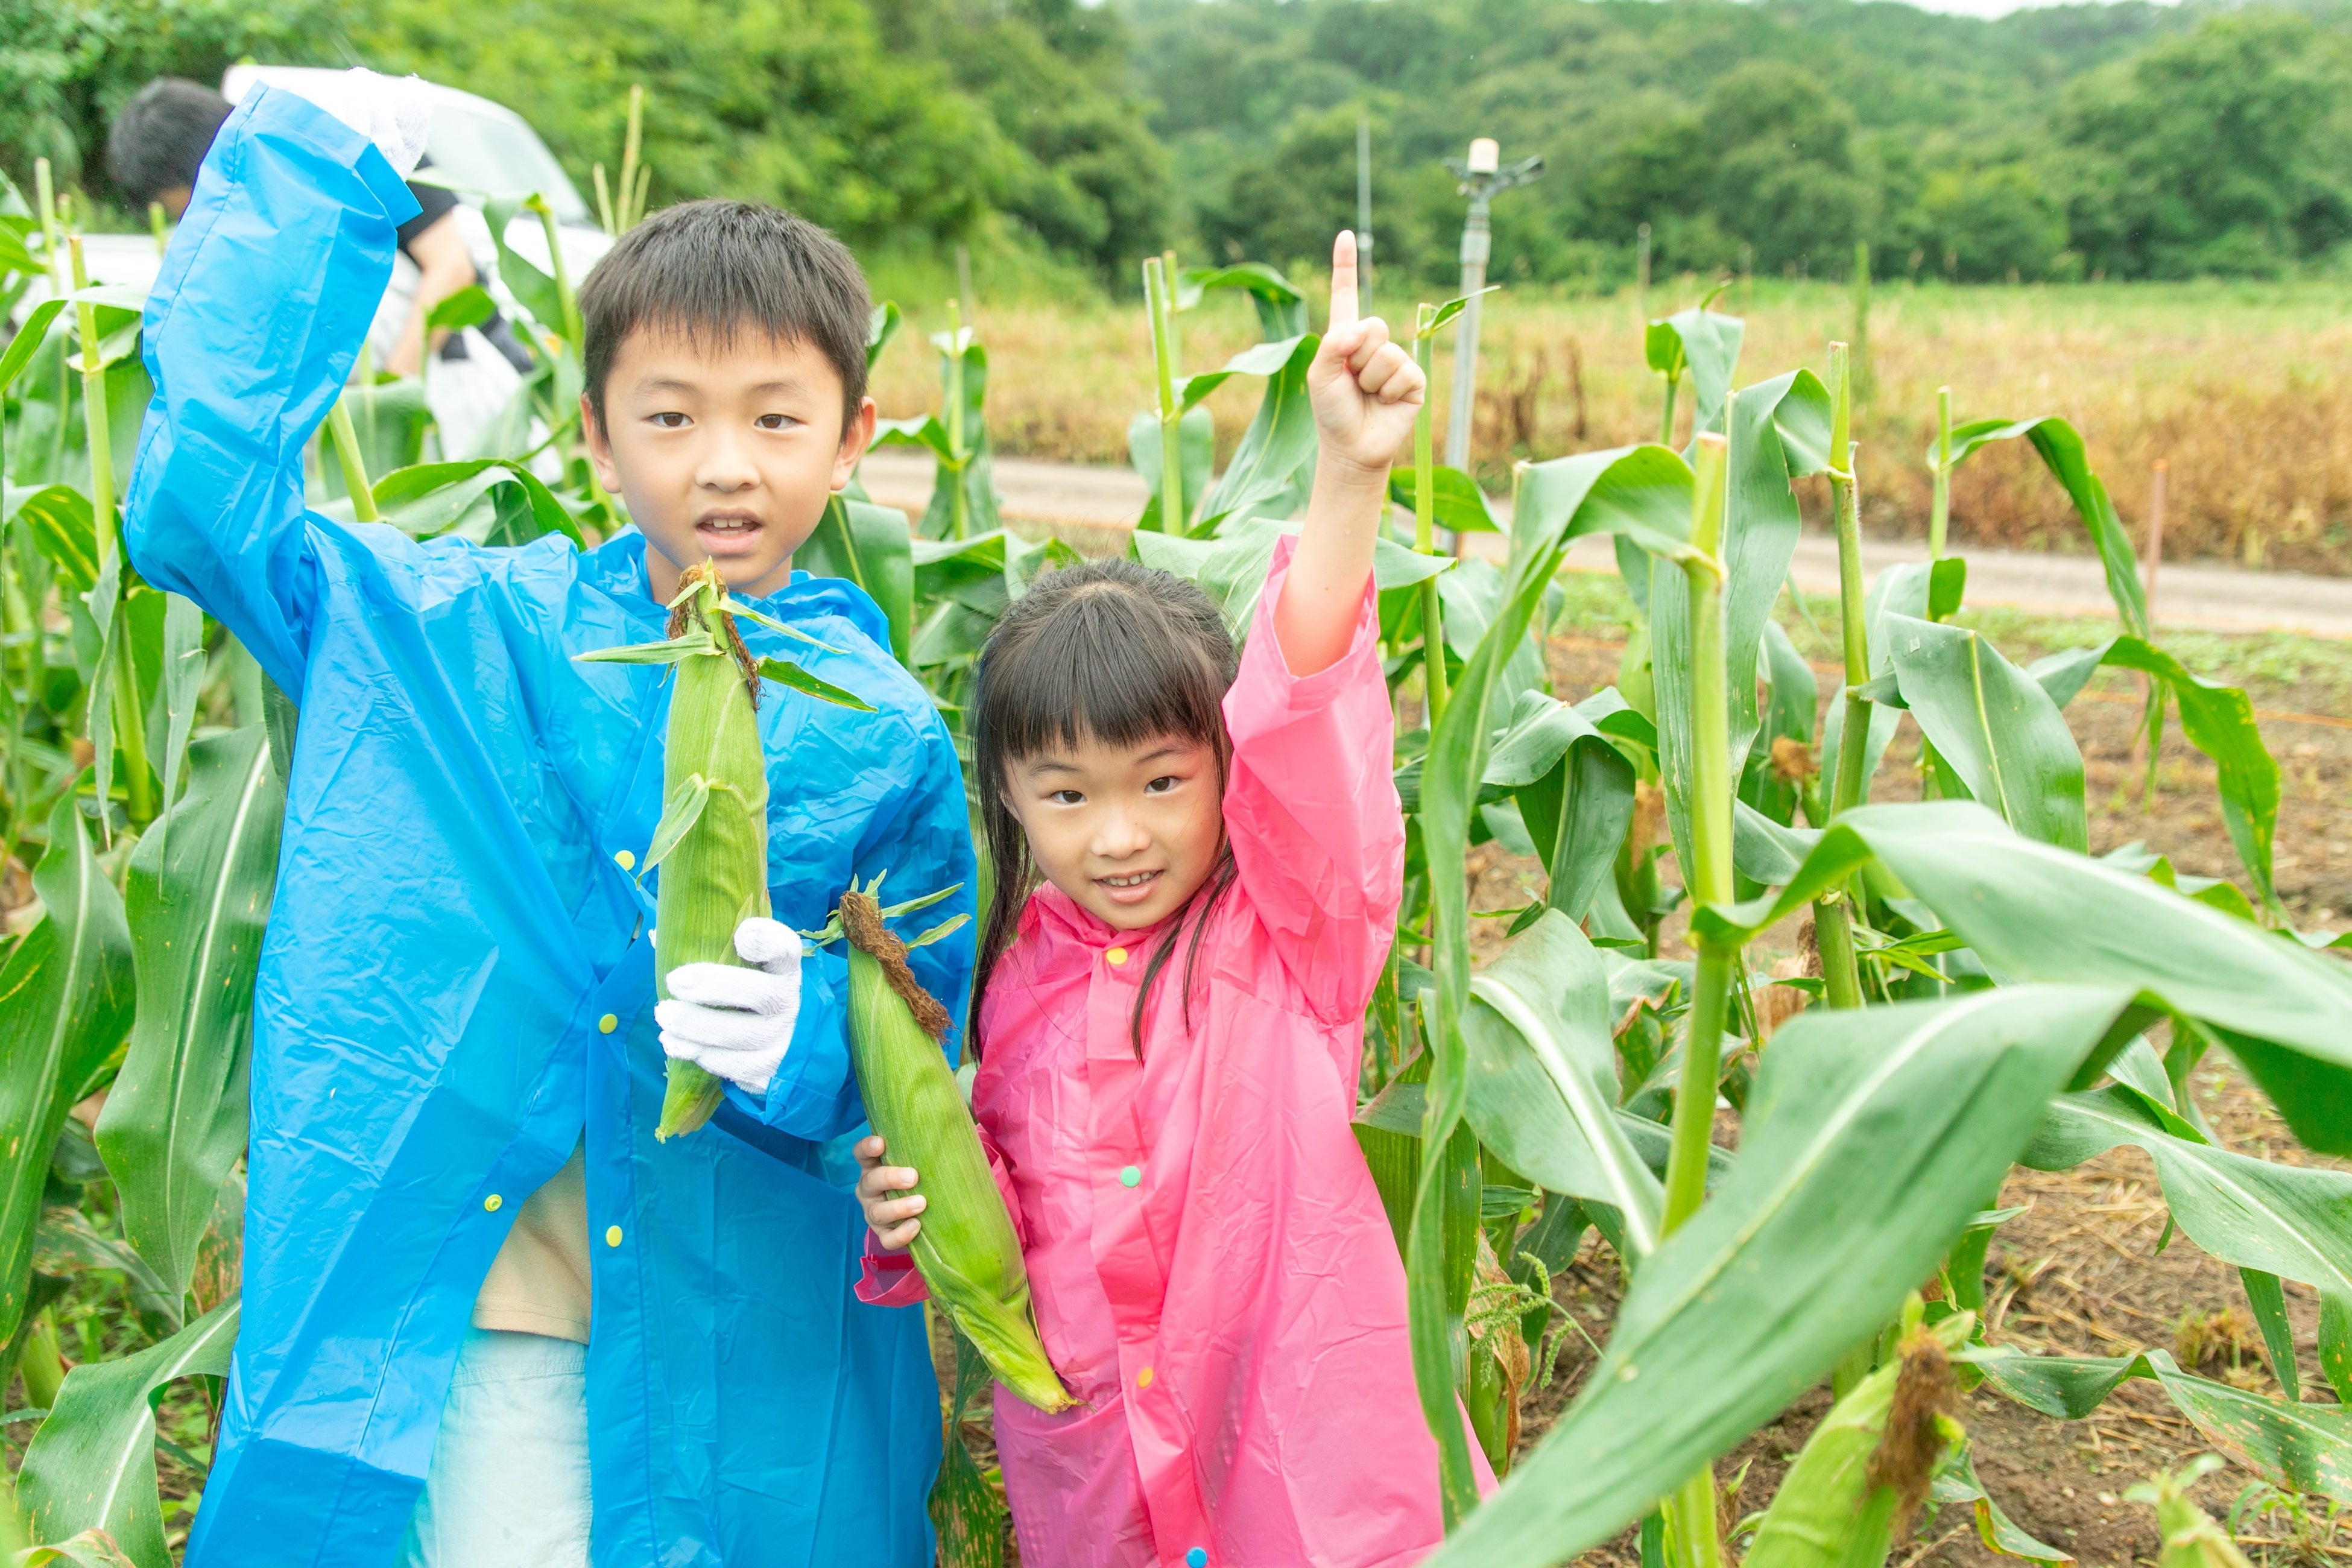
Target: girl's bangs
x=1107, y=666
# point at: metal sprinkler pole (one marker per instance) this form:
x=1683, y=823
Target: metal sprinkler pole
x=1364, y=212
x=1483, y=178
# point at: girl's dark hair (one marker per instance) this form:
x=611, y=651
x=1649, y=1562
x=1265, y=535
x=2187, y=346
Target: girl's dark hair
x=1111, y=652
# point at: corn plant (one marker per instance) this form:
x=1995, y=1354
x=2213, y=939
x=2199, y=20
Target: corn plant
x=141, y=767
x=1875, y=1129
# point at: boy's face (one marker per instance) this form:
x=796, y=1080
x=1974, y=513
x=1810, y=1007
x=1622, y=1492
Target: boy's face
x=726, y=453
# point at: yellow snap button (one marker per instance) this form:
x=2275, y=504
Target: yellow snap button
x=612, y=1236
x=607, y=1023
x=492, y=1202
x=623, y=860
x=1143, y=1378
x=1117, y=955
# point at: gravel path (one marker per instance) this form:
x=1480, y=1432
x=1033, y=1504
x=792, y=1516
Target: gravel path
x=2214, y=598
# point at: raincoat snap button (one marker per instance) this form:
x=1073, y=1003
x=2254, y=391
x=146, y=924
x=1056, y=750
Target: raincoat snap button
x=607, y=1023
x=612, y=1236
x=1128, y=1176
x=1117, y=955
x=491, y=1203
x=1143, y=1378
x=1196, y=1558
x=623, y=860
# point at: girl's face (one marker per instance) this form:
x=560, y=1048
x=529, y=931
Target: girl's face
x=1128, y=832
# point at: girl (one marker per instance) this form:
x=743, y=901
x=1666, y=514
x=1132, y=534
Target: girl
x=1169, y=1036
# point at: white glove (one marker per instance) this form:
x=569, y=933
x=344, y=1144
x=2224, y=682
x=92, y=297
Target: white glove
x=736, y=1023
x=393, y=112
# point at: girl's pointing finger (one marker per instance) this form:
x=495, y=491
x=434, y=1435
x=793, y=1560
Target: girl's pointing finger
x=1343, y=282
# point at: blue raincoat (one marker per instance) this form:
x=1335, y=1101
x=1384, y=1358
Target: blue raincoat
x=458, y=977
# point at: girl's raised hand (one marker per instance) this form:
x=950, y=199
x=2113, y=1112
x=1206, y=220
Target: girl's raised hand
x=884, y=1192
x=1366, y=390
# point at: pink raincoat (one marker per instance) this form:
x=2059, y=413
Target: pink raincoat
x=1215, y=1276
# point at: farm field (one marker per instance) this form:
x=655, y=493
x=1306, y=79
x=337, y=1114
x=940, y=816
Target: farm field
x=1846, y=1065
x=2246, y=389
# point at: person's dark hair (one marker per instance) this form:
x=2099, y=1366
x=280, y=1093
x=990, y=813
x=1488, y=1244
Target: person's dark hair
x=714, y=267
x=1111, y=652
x=160, y=138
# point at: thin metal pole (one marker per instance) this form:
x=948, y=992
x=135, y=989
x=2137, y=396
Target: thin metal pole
x=1364, y=212
x=1642, y=270
x=1477, y=245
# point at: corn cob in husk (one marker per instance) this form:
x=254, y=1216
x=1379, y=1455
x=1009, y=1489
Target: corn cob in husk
x=966, y=1249
x=712, y=844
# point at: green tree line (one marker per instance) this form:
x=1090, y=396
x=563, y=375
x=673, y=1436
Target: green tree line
x=2121, y=141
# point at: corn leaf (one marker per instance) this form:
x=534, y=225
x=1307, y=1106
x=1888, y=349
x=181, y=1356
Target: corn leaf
x=870, y=545
x=532, y=288
x=1457, y=501
x=27, y=340
x=669, y=651
x=1788, y=715
x=65, y=531
x=680, y=812
x=1259, y=359
x=198, y=900
x=1281, y=309
x=1959, y=1486
x=90, y=1549
x=182, y=679
x=1993, y=724
x=2283, y=1220
x=2031, y=911
x=2060, y=450
x=784, y=672
x=1277, y=446
x=426, y=499
x=1868, y=1135
x=1543, y=1088
x=92, y=1463
x=66, y=997
x=1704, y=343
x=1639, y=489
x=468, y=307
x=2297, y=1448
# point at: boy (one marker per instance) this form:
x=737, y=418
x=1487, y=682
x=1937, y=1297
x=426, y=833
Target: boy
x=457, y=1061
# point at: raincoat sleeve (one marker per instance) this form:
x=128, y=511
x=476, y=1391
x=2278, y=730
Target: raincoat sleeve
x=1311, y=808
x=253, y=324
x=891, y=1279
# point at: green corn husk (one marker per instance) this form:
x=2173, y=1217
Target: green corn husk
x=712, y=844
x=969, y=1257
x=715, y=875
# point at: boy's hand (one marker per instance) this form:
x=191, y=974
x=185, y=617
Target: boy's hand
x=1366, y=390
x=737, y=1023
x=891, y=1216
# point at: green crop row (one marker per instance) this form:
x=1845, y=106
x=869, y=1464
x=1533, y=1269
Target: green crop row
x=1987, y=993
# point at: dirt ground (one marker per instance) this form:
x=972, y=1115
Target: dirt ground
x=2080, y=1271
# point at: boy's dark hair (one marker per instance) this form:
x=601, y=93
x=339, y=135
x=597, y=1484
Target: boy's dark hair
x=712, y=267
x=160, y=138
x=1112, y=652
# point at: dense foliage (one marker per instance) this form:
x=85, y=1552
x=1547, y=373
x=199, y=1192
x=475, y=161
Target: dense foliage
x=2133, y=140
x=2126, y=141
